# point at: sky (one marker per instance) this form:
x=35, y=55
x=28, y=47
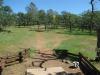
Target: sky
x=73, y=6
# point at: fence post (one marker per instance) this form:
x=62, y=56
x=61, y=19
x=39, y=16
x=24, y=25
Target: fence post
x=20, y=57
x=2, y=65
x=26, y=52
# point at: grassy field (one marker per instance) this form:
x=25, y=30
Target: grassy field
x=14, y=41
x=22, y=38
x=74, y=42
x=80, y=42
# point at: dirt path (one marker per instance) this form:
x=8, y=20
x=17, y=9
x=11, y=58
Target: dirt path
x=41, y=43
x=57, y=40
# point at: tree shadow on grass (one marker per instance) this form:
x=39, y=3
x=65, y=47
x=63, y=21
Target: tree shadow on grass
x=7, y=31
x=37, y=30
x=77, y=33
x=63, y=54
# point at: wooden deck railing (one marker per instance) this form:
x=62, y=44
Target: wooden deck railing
x=87, y=67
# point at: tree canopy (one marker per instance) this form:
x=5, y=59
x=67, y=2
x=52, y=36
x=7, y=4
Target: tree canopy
x=49, y=18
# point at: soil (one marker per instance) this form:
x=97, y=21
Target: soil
x=44, y=54
x=41, y=42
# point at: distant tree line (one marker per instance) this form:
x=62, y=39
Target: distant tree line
x=50, y=19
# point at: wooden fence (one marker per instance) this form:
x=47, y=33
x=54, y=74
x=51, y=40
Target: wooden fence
x=84, y=64
x=17, y=58
x=63, y=54
x=87, y=67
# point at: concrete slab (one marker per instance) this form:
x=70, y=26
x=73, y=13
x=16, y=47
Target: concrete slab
x=45, y=71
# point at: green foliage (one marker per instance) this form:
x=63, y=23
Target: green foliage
x=87, y=22
x=32, y=9
x=42, y=16
x=32, y=52
x=32, y=14
x=21, y=19
x=5, y=16
x=50, y=16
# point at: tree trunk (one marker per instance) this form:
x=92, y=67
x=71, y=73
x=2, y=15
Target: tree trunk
x=92, y=16
x=45, y=27
x=98, y=38
x=1, y=28
x=70, y=28
x=82, y=28
x=70, y=24
x=90, y=28
x=98, y=45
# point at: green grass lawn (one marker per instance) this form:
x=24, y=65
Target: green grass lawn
x=11, y=42
x=84, y=44
x=74, y=42
x=80, y=42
